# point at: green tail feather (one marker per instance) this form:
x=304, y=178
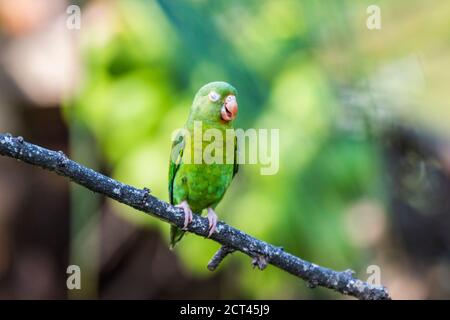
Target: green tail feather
x=175, y=235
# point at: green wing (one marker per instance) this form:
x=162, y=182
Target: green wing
x=176, y=154
x=236, y=154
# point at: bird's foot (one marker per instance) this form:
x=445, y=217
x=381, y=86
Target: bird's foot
x=212, y=218
x=187, y=213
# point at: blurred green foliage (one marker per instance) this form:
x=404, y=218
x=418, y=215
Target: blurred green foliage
x=289, y=60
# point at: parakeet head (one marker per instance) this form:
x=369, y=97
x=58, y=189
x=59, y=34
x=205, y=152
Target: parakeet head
x=215, y=101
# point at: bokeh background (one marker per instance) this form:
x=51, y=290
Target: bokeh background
x=363, y=114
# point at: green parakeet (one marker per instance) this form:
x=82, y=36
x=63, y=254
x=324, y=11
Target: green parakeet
x=197, y=185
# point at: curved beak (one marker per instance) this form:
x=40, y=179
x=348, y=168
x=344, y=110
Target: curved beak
x=230, y=108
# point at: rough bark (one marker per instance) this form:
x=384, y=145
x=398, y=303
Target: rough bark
x=233, y=239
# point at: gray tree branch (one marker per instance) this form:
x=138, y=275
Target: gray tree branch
x=232, y=239
x=218, y=257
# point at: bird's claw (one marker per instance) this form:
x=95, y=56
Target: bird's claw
x=187, y=213
x=212, y=219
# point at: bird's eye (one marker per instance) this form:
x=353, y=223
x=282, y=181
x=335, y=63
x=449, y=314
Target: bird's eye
x=213, y=96
x=230, y=98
